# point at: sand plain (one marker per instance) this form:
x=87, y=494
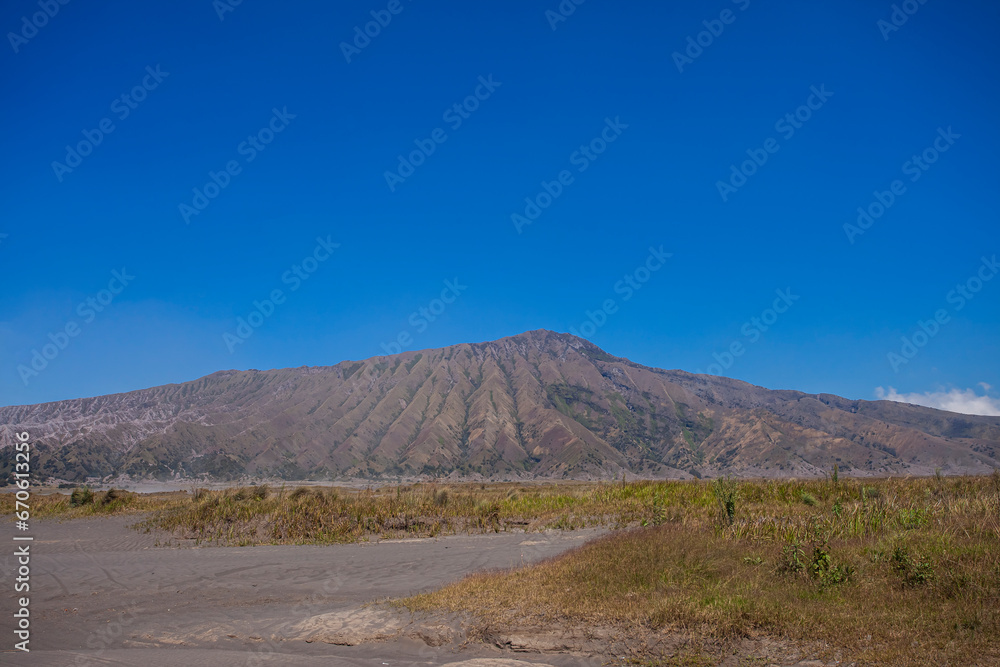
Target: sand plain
x=103, y=593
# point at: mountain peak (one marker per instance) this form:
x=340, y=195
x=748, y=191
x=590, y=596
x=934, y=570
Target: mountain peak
x=536, y=404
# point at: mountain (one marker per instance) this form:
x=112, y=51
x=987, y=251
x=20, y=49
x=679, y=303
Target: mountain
x=539, y=404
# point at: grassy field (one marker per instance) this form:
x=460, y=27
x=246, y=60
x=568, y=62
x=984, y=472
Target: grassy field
x=260, y=515
x=94, y=503
x=892, y=571
x=255, y=515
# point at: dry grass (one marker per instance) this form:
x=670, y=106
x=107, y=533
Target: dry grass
x=102, y=503
x=894, y=572
x=256, y=515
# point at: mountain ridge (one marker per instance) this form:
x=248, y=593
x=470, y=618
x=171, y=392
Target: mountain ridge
x=537, y=404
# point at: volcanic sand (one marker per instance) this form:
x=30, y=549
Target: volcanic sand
x=105, y=594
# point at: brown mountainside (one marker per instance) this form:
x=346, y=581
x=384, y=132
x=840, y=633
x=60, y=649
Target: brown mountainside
x=540, y=404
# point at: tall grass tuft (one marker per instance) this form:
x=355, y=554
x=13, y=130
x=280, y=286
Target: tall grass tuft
x=726, y=490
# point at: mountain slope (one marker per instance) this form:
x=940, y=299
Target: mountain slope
x=539, y=404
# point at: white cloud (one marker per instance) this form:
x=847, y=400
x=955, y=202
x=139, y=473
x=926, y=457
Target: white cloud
x=965, y=401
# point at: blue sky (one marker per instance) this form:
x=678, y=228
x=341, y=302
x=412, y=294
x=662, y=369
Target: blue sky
x=251, y=141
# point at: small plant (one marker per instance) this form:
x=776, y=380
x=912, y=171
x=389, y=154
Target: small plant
x=80, y=497
x=820, y=560
x=299, y=492
x=755, y=560
x=658, y=514
x=199, y=495
x=260, y=492
x=835, y=475
x=726, y=491
x=838, y=508
x=823, y=569
x=914, y=571
x=808, y=499
x=441, y=498
x=793, y=557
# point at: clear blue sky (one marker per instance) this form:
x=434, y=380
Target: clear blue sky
x=548, y=93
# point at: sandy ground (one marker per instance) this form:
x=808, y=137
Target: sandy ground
x=104, y=594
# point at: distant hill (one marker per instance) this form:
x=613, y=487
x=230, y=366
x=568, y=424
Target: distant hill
x=540, y=404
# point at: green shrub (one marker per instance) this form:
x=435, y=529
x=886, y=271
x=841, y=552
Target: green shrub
x=823, y=569
x=80, y=497
x=913, y=570
x=112, y=495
